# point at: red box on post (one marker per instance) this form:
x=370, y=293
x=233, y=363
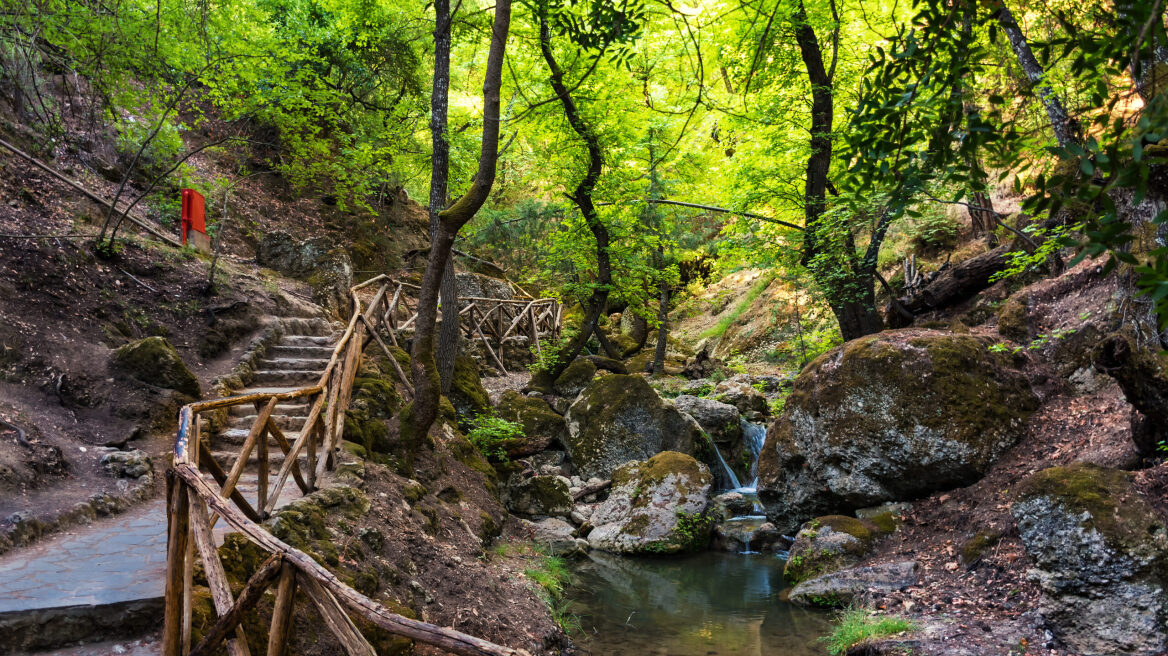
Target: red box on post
x=194, y=219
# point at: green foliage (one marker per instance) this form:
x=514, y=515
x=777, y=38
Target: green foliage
x=553, y=351
x=491, y=435
x=856, y=626
x=743, y=305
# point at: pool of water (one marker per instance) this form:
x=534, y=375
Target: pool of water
x=707, y=604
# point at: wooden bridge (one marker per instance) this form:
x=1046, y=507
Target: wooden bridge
x=194, y=504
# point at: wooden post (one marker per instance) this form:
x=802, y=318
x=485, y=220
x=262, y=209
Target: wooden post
x=336, y=619
x=178, y=523
x=262, y=464
x=216, y=576
x=313, y=440
x=282, y=612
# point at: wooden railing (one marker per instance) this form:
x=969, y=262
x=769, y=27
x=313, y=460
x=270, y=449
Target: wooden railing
x=194, y=505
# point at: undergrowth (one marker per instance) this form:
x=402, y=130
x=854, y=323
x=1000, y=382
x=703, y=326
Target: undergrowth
x=550, y=573
x=856, y=625
x=725, y=322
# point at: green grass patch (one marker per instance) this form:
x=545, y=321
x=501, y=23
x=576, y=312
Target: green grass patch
x=856, y=625
x=725, y=322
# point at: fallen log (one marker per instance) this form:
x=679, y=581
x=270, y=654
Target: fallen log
x=952, y=286
x=589, y=490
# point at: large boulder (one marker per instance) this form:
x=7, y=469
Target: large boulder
x=1100, y=552
x=619, y=418
x=467, y=394
x=326, y=267
x=656, y=506
x=890, y=417
x=740, y=393
x=539, y=496
x=542, y=426
x=575, y=378
x=154, y=361
x=556, y=536
x=479, y=286
x=721, y=421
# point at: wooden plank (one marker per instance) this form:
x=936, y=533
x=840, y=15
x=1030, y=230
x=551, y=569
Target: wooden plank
x=243, y=399
x=336, y=619
x=212, y=465
x=282, y=612
x=286, y=447
x=356, y=346
x=178, y=522
x=216, y=576
x=188, y=588
x=262, y=464
x=535, y=331
x=492, y=352
x=518, y=320
x=313, y=440
x=448, y=639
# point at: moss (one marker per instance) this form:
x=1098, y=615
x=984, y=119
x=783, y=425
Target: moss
x=542, y=426
x=813, y=560
x=154, y=361
x=375, y=399
x=886, y=522
x=1013, y=322
x=576, y=377
x=640, y=362
x=654, y=470
x=624, y=344
x=1106, y=499
x=450, y=494
x=413, y=491
x=979, y=543
x=467, y=394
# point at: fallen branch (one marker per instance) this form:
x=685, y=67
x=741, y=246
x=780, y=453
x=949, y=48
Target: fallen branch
x=21, y=436
x=589, y=490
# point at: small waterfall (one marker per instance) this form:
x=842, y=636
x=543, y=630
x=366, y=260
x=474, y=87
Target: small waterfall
x=727, y=477
x=755, y=437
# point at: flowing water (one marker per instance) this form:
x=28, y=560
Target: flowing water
x=706, y=604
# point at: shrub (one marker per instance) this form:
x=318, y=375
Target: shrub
x=856, y=625
x=491, y=435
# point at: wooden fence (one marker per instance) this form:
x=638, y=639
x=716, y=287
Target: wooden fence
x=194, y=504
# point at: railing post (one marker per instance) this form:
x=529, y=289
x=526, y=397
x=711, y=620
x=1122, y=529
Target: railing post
x=178, y=536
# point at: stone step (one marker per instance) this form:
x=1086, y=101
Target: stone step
x=226, y=460
x=297, y=377
x=291, y=407
x=301, y=364
x=316, y=352
x=286, y=422
x=307, y=340
x=274, y=389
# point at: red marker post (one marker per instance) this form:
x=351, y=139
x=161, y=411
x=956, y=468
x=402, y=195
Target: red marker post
x=194, y=221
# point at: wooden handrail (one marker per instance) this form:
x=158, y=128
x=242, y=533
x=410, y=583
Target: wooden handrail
x=194, y=504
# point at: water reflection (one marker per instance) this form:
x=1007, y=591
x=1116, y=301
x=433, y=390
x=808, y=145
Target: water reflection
x=702, y=605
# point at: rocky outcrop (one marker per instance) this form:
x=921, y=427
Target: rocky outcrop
x=154, y=361
x=620, y=418
x=828, y=544
x=719, y=420
x=467, y=394
x=890, y=417
x=480, y=286
x=557, y=536
x=539, y=496
x=739, y=392
x=1100, y=552
x=656, y=506
x=127, y=464
x=542, y=426
x=846, y=587
x=327, y=268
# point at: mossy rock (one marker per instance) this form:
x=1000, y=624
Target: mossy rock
x=374, y=401
x=624, y=344
x=542, y=426
x=1013, y=320
x=903, y=413
x=658, y=506
x=575, y=378
x=829, y=544
x=619, y=418
x=539, y=495
x=154, y=361
x=467, y=394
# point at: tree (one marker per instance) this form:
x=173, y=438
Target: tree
x=420, y=415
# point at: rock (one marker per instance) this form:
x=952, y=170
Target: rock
x=980, y=542
x=539, y=495
x=467, y=394
x=624, y=344
x=542, y=427
x=620, y=418
x=744, y=534
x=730, y=504
x=154, y=361
x=701, y=366
x=1100, y=552
x=481, y=286
x=326, y=267
x=558, y=536
x=890, y=416
x=828, y=544
x=843, y=588
x=656, y=506
x=739, y=393
x=719, y=420
x=127, y=464
x=575, y=378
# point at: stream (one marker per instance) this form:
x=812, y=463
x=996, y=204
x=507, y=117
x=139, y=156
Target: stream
x=705, y=604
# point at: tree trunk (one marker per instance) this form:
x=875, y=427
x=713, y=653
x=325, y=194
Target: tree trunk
x=954, y=285
x=582, y=197
x=662, y=329
x=858, y=317
x=639, y=331
x=419, y=417
x=439, y=176
x=1066, y=129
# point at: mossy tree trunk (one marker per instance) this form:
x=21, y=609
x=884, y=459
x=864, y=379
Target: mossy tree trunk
x=419, y=417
